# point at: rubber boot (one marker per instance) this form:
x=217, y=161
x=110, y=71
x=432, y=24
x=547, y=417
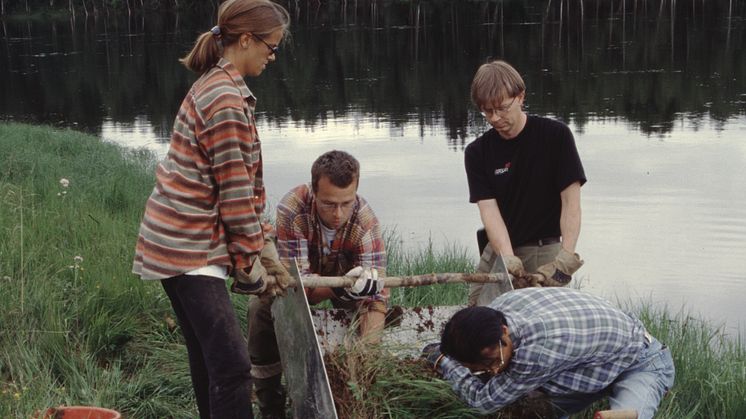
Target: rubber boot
x=271, y=397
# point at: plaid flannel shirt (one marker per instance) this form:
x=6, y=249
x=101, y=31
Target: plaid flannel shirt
x=358, y=242
x=564, y=342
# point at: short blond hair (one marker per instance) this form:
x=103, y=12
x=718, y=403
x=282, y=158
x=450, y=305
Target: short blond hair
x=494, y=82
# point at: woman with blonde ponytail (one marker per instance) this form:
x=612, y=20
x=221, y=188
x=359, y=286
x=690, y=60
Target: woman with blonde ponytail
x=202, y=221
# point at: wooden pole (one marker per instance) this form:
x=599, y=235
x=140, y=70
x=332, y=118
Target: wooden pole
x=408, y=281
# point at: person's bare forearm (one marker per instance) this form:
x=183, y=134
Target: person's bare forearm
x=570, y=216
x=497, y=232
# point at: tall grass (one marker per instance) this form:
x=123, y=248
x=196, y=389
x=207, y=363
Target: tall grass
x=403, y=261
x=710, y=365
x=77, y=328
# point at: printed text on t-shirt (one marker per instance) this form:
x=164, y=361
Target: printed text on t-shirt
x=502, y=170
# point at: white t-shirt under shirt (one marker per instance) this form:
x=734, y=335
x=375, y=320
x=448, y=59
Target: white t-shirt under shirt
x=329, y=234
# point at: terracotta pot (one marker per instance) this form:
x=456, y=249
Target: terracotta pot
x=80, y=412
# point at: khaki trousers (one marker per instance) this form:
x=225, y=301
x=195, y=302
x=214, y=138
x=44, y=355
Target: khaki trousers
x=531, y=256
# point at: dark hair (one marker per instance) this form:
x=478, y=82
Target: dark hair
x=340, y=167
x=495, y=81
x=235, y=18
x=469, y=331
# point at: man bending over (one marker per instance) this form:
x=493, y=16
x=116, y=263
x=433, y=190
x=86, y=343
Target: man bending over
x=570, y=346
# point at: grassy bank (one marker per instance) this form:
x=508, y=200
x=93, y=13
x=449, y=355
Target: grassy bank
x=77, y=328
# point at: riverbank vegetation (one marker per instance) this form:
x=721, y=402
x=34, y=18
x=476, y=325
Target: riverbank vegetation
x=78, y=328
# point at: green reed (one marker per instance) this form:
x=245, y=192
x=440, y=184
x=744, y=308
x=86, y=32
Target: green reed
x=72, y=313
x=402, y=260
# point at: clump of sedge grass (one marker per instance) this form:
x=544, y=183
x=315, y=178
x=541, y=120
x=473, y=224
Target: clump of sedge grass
x=369, y=382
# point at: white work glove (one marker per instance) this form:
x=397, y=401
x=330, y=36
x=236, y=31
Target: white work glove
x=366, y=284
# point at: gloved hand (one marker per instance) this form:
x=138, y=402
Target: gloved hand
x=431, y=353
x=366, y=284
x=558, y=272
x=270, y=259
x=250, y=280
x=514, y=265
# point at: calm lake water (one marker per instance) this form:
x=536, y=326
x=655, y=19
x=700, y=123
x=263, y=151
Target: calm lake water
x=656, y=99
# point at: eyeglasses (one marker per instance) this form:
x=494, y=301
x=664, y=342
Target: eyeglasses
x=487, y=366
x=330, y=206
x=272, y=50
x=502, y=110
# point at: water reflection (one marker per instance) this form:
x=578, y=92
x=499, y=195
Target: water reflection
x=409, y=62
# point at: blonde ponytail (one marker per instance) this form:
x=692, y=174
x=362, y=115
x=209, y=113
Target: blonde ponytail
x=235, y=17
x=205, y=53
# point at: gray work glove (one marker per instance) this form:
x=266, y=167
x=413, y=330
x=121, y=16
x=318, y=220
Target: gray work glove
x=251, y=280
x=514, y=265
x=366, y=285
x=271, y=261
x=558, y=272
x=266, y=277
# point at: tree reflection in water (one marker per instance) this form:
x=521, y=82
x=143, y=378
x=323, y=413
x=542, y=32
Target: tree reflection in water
x=647, y=63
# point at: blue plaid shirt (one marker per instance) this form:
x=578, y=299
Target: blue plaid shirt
x=564, y=342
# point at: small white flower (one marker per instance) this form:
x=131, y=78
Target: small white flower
x=64, y=192
x=64, y=182
x=59, y=194
x=78, y=259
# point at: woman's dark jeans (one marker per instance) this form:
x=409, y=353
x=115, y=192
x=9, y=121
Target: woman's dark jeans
x=218, y=358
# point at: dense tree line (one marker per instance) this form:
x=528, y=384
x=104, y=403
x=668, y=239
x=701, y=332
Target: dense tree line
x=95, y=7
x=407, y=63
x=554, y=8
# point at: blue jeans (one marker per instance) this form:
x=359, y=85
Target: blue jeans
x=218, y=359
x=640, y=387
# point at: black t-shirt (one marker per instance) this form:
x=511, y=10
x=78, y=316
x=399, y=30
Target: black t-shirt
x=526, y=175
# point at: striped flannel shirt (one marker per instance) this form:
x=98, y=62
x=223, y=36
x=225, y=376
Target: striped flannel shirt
x=564, y=342
x=209, y=195
x=357, y=243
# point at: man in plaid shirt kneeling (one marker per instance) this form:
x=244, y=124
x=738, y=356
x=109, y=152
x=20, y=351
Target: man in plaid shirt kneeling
x=330, y=231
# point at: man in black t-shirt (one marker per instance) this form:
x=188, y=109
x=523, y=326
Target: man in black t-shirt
x=525, y=176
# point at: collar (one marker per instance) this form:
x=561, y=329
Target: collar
x=229, y=68
x=514, y=329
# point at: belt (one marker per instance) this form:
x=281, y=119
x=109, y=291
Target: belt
x=541, y=242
